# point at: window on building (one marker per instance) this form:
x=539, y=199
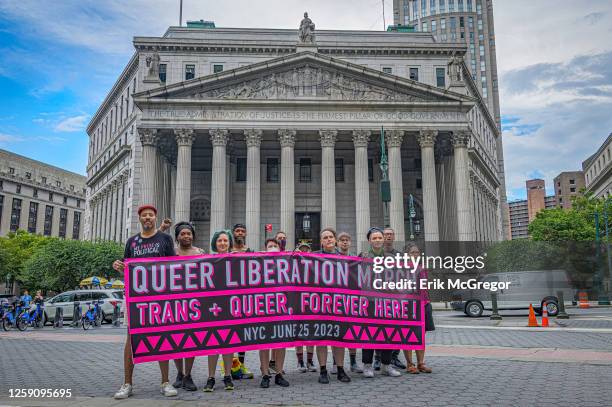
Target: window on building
x=571, y=181
x=28, y=175
x=559, y=191
x=460, y=5
x=18, y=189
x=414, y=74
x=461, y=22
x=419, y=183
x=76, y=225
x=423, y=8
x=479, y=24
x=65, y=200
x=78, y=203
x=479, y=8
x=573, y=189
x=15, y=214
x=62, y=222
x=32, y=216
x=433, y=26
x=432, y=7
x=453, y=23
x=451, y=5
x=48, y=220
x=189, y=71
x=469, y=6
x=217, y=68
x=11, y=170
x=51, y=196
x=241, y=169
x=305, y=170
x=35, y=193
x=443, y=24
x=163, y=69
x=58, y=184
x=339, y=163
x=387, y=69
x=440, y=78
x=442, y=6
x=72, y=187
x=272, y=170
x=481, y=49
x=370, y=169
x=424, y=26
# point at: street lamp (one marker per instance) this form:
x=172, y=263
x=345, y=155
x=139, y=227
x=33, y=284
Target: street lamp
x=306, y=223
x=385, y=185
x=411, y=216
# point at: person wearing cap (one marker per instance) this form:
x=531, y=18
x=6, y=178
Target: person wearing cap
x=150, y=242
x=184, y=234
x=376, y=240
x=344, y=245
x=328, y=246
x=221, y=243
x=239, y=233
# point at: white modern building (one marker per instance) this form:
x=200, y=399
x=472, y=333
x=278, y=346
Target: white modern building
x=267, y=126
x=598, y=170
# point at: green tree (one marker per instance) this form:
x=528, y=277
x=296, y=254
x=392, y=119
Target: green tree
x=15, y=249
x=523, y=255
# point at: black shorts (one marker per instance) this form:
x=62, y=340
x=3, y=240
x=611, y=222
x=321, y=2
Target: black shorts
x=429, y=322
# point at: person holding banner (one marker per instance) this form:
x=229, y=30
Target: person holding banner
x=299, y=350
x=279, y=354
x=328, y=246
x=239, y=232
x=420, y=274
x=150, y=242
x=376, y=239
x=184, y=233
x=221, y=243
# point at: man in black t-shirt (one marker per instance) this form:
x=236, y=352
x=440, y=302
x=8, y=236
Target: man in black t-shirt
x=150, y=242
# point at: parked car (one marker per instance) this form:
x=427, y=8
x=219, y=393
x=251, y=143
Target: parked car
x=66, y=301
x=527, y=287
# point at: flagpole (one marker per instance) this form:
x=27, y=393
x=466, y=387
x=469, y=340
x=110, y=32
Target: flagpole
x=181, y=14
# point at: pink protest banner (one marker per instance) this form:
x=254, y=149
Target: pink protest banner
x=192, y=306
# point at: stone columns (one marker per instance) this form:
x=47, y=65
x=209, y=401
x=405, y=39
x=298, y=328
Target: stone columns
x=393, y=139
x=184, y=140
x=287, y=220
x=92, y=215
x=253, y=203
x=427, y=140
x=328, y=178
x=148, y=138
x=460, y=140
x=121, y=207
x=114, y=193
x=362, y=187
x=218, y=138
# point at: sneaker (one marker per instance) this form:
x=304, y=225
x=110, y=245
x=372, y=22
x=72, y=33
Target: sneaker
x=281, y=381
x=334, y=369
x=246, y=373
x=272, y=367
x=398, y=363
x=301, y=367
x=376, y=365
x=124, y=392
x=355, y=368
x=343, y=377
x=323, y=378
x=311, y=367
x=167, y=390
x=389, y=370
x=229, y=384
x=179, y=381
x=368, y=370
x=265, y=382
x=210, y=385
x=188, y=384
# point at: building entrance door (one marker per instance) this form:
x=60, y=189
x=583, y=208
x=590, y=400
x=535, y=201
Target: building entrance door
x=311, y=236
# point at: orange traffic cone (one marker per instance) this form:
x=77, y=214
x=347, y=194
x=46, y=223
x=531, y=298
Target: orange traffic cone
x=544, y=316
x=583, y=299
x=533, y=322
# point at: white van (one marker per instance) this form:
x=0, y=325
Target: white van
x=65, y=300
x=526, y=287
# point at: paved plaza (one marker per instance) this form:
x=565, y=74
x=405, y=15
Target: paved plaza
x=475, y=362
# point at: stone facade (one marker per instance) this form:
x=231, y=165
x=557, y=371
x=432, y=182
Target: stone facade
x=264, y=130
x=598, y=170
x=567, y=185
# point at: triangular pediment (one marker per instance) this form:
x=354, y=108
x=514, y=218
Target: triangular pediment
x=305, y=76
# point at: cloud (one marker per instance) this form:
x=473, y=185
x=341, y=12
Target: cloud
x=71, y=124
x=594, y=18
x=9, y=138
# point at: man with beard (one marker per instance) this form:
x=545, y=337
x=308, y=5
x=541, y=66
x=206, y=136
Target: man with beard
x=150, y=242
x=239, y=232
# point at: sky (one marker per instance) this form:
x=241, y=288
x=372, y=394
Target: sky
x=58, y=60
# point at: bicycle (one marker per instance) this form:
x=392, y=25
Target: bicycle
x=13, y=318
x=93, y=316
x=34, y=318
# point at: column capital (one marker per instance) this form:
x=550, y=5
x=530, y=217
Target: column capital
x=184, y=137
x=361, y=137
x=328, y=137
x=148, y=137
x=427, y=138
x=461, y=138
x=394, y=138
x=219, y=137
x=286, y=137
x=253, y=137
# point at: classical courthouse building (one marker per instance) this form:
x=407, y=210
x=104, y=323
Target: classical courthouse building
x=271, y=126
